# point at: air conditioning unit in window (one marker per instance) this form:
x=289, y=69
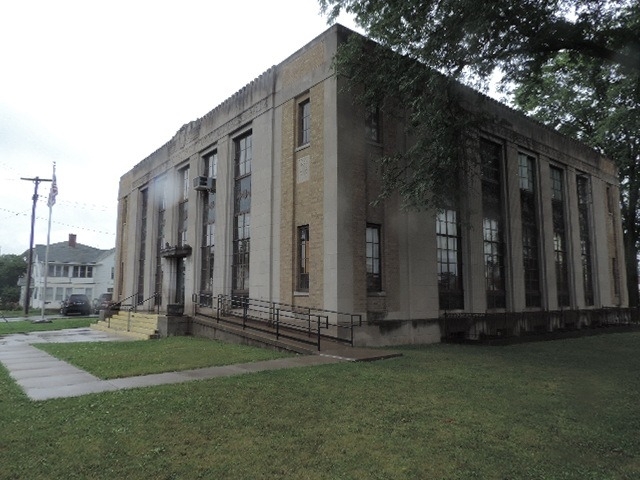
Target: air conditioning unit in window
x=204, y=184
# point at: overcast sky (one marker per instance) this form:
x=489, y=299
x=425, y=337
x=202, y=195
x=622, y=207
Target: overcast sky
x=98, y=86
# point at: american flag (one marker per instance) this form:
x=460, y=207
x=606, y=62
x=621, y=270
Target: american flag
x=54, y=191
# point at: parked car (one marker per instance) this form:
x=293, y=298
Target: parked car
x=76, y=303
x=103, y=302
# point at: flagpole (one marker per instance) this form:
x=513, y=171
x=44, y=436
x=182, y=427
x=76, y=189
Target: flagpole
x=50, y=202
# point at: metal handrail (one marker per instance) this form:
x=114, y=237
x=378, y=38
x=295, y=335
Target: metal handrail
x=282, y=319
x=157, y=306
x=121, y=302
x=132, y=307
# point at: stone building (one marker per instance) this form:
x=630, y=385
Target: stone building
x=269, y=196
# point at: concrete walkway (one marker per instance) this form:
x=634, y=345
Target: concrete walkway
x=43, y=377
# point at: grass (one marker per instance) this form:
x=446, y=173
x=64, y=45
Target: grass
x=565, y=409
x=32, y=312
x=126, y=359
x=26, y=326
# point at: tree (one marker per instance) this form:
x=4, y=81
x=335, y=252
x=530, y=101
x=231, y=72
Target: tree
x=462, y=37
x=600, y=106
x=12, y=267
x=470, y=41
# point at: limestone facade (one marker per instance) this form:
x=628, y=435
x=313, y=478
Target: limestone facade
x=292, y=219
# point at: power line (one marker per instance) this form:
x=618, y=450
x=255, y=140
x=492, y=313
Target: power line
x=14, y=214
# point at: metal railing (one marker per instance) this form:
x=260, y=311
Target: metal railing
x=155, y=306
x=305, y=325
x=509, y=325
x=132, y=307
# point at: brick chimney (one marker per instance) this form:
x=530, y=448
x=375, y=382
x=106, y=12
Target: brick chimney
x=72, y=240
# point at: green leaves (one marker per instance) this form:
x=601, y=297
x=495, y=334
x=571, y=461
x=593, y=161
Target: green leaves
x=598, y=104
x=11, y=268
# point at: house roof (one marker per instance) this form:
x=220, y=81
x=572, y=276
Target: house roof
x=62, y=252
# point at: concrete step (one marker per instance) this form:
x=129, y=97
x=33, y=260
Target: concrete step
x=118, y=322
x=104, y=327
x=142, y=326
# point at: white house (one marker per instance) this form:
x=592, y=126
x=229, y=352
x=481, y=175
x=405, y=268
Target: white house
x=72, y=268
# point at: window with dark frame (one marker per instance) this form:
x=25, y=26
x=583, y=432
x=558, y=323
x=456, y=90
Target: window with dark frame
x=303, y=259
x=82, y=271
x=161, y=205
x=372, y=123
x=58, y=270
x=243, y=155
x=559, y=237
x=183, y=207
x=208, y=199
x=373, y=252
x=610, y=201
x=615, y=271
x=142, y=247
x=123, y=225
x=493, y=223
x=449, y=260
x=584, y=198
x=529, y=221
x=304, y=122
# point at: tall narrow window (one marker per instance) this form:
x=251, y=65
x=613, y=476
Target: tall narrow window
x=374, y=260
x=304, y=123
x=559, y=236
x=123, y=241
x=183, y=216
x=183, y=206
x=243, y=154
x=161, y=205
x=208, y=232
x=372, y=123
x=615, y=272
x=529, y=218
x=303, y=259
x=144, y=196
x=610, y=201
x=450, y=291
x=493, y=224
x=584, y=197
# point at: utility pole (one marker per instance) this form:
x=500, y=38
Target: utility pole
x=36, y=182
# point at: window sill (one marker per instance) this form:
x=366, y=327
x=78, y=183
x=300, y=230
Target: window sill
x=300, y=294
x=302, y=147
x=377, y=294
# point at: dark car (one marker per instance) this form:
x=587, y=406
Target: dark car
x=103, y=303
x=76, y=303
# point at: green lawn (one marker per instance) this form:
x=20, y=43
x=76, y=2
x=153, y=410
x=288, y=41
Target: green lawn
x=25, y=326
x=127, y=359
x=567, y=409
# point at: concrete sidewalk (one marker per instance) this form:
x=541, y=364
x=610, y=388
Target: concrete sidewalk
x=44, y=377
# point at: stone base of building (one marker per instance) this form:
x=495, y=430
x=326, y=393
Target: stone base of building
x=384, y=333
x=172, y=325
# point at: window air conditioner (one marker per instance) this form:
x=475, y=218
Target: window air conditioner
x=204, y=184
